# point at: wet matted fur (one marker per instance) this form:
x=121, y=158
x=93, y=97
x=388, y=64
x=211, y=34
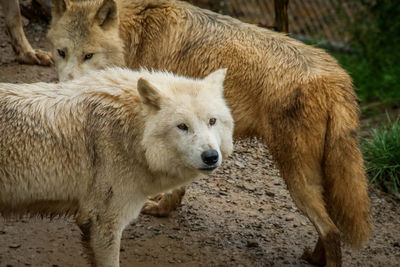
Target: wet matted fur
x=293, y=96
x=99, y=146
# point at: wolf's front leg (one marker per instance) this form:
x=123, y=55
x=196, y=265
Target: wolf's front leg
x=101, y=237
x=162, y=205
x=25, y=53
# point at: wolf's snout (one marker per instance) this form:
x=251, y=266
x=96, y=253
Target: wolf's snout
x=210, y=157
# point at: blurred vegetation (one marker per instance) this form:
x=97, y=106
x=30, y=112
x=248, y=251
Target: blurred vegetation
x=382, y=155
x=374, y=63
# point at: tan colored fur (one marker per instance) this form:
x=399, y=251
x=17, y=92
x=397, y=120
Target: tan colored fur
x=163, y=204
x=77, y=43
x=293, y=96
x=23, y=50
x=97, y=148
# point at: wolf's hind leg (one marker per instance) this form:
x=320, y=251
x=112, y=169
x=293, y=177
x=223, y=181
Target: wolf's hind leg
x=162, y=205
x=316, y=257
x=309, y=199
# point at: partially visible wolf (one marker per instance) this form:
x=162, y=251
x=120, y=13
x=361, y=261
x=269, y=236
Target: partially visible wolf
x=99, y=146
x=293, y=96
x=22, y=48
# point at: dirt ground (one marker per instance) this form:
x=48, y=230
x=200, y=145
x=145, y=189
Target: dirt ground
x=241, y=216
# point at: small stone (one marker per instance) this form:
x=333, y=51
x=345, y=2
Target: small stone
x=289, y=219
x=270, y=194
x=252, y=243
x=38, y=28
x=239, y=164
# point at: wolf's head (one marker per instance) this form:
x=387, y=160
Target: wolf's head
x=84, y=36
x=188, y=125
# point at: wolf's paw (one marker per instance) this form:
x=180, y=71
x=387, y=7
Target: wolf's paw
x=36, y=57
x=153, y=208
x=313, y=258
x=162, y=205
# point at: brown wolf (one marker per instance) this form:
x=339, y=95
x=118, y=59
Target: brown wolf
x=23, y=50
x=99, y=152
x=293, y=96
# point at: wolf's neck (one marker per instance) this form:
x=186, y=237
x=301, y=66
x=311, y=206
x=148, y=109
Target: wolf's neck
x=146, y=27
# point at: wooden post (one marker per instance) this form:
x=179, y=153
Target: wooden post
x=281, y=16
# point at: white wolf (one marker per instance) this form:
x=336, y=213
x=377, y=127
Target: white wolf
x=97, y=147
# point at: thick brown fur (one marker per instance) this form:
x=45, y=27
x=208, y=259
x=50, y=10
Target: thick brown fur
x=293, y=96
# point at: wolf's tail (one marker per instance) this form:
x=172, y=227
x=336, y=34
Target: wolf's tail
x=345, y=181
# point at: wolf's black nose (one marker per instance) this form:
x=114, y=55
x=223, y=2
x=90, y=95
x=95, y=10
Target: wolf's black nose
x=210, y=157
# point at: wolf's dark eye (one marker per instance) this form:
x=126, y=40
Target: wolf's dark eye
x=212, y=121
x=61, y=53
x=183, y=127
x=88, y=56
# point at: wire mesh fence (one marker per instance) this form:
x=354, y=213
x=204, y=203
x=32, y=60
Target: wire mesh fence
x=308, y=19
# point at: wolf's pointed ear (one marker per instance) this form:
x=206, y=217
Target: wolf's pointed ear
x=107, y=14
x=59, y=7
x=149, y=94
x=217, y=76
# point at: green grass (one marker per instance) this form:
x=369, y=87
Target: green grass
x=375, y=69
x=375, y=42
x=374, y=82
x=382, y=155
